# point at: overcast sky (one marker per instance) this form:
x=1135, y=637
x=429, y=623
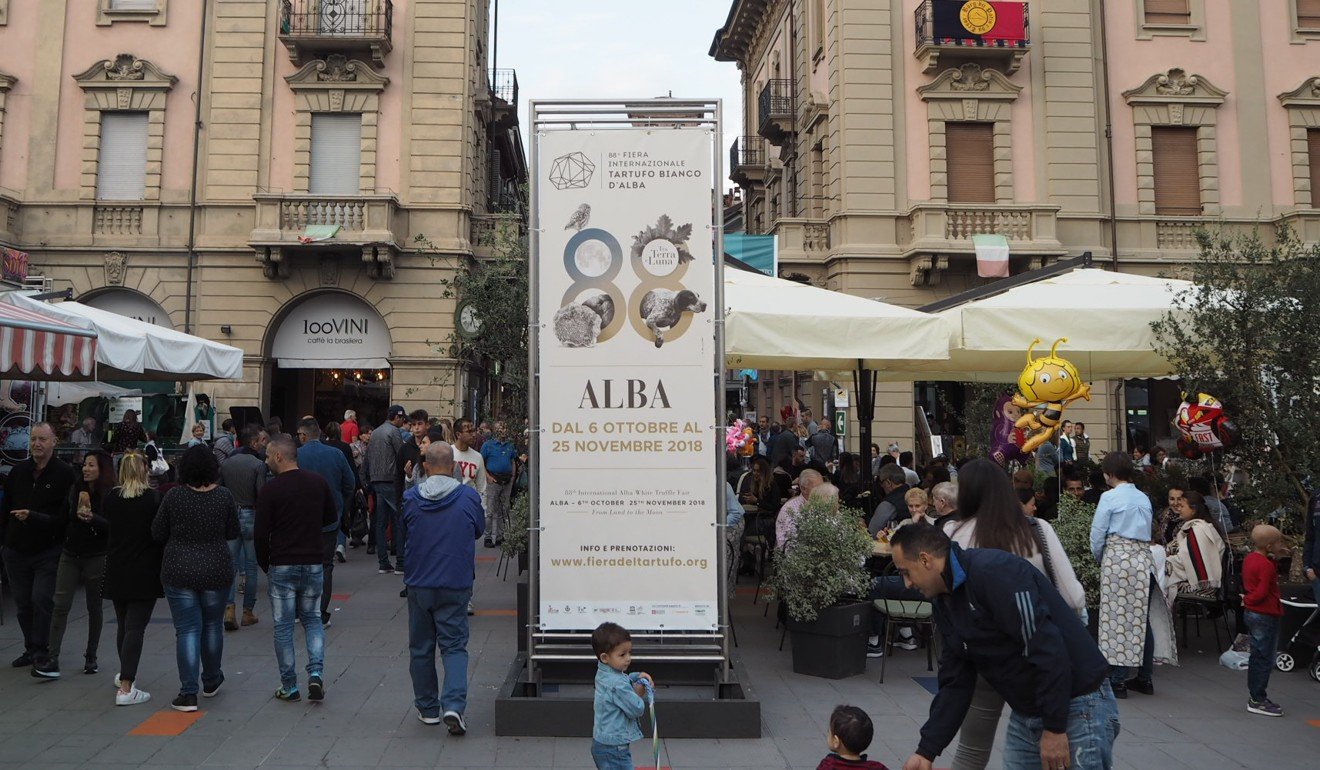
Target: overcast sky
x=589, y=49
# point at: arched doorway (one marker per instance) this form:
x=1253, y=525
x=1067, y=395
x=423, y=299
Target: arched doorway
x=329, y=352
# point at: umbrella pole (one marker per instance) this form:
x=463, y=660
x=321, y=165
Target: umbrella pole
x=864, y=390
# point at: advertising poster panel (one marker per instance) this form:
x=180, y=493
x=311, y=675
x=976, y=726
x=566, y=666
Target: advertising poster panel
x=628, y=461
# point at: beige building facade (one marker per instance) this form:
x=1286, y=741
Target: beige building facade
x=260, y=173
x=876, y=142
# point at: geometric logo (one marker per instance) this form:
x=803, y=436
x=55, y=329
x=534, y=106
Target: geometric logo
x=572, y=171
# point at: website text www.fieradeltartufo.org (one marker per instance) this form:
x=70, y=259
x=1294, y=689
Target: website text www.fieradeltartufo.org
x=630, y=561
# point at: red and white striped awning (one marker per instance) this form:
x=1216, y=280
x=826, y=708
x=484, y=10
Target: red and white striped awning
x=35, y=346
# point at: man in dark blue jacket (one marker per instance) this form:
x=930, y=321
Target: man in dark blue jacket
x=444, y=520
x=1002, y=620
x=329, y=463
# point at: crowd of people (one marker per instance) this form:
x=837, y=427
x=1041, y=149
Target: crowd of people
x=1148, y=561
x=129, y=527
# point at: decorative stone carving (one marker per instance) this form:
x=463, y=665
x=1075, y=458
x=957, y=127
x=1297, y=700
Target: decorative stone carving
x=1176, y=86
x=970, y=80
x=1176, y=83
x=125, y=67
x=970, y=77
x=116, y=264
x=337, y=68
x=1305, y=95
x=927, y=269
x=329, y=271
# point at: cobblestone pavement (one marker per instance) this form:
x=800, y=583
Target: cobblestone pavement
x=1196, y=719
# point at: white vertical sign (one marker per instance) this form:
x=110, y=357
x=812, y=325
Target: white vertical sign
x=626, y=406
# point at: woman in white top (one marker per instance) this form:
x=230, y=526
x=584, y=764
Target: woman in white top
x=991, y=516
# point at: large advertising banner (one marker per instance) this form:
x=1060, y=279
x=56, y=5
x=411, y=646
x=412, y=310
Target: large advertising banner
x=627, y=356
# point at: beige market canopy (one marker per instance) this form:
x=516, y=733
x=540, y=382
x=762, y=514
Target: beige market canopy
x=771, y=323
x=1105, y=316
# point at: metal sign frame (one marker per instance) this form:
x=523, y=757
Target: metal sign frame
x=604, y=115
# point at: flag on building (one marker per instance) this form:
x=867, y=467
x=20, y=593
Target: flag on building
x=991, y=256
x=980, y=23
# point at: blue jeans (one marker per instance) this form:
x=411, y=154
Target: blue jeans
x=387, y=514
x=611, y=757
x=1092, y=730
x=295, y=591
x=199, y=635
x=437, y=617
x=245, y=559
x=1264, y=642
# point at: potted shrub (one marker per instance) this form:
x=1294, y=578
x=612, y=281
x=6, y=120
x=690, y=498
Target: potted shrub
x=515, y=534
x=821, y=580
x=1073, y=526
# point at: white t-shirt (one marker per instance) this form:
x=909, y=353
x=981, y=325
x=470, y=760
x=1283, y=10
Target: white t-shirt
x=470, y=469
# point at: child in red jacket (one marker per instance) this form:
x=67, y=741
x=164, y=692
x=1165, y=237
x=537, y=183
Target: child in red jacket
x=1261, y=612
x=850, y=733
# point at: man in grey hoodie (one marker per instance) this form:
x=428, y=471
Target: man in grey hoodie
x=444, y=520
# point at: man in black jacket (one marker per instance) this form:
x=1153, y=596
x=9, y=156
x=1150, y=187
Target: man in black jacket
x=32, y=530
x=1002, y=620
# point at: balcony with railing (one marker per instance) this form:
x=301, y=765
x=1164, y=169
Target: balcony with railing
x=747, y=161
x=775, y=110
x=368, y=225
x=504, y=98
x=311, y=27
x=956, y=29
x=934, y=233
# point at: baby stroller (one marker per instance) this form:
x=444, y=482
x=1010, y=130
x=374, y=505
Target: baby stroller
x=1301, y=628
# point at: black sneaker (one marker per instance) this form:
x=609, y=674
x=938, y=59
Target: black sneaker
x=1120, y=690
x=315, y=688
x=455, y=724
x=46, y=668
x=22, y=661
x=1143, y=686
x=90, y=667
x=875, y=650
x=288, y=694
x=385, y=569
x=1266, y=708
x=210, y=690
x=489, y=543
x=404, y=593
x=184, y=703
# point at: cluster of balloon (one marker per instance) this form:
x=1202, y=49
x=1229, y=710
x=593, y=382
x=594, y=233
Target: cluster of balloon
x=1203, y=426
x=1045, y=388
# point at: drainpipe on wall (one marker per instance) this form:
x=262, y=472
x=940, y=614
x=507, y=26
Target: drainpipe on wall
x=1109, y=136
x=192, y=189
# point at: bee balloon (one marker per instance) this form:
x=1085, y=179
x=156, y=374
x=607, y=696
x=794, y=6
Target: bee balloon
x=1046, y=386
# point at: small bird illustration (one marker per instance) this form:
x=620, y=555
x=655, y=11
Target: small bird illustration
x=580, y=218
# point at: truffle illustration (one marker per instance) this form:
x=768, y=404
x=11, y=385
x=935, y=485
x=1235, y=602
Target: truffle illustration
x=580, y=218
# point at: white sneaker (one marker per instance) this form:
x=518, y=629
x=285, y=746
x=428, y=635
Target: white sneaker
x=116, y=681
x=427, y=720
x=132, y=697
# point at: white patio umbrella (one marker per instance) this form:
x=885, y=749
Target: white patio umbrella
x=771, y=323
x=129, y=349
x=1105, y=316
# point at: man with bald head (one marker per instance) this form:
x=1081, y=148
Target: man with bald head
x=292, y=510
x=786, y=522
x=1262, y=610
x=444, y=520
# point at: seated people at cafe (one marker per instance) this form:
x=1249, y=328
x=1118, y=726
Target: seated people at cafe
x=893, y=505
x=786, y=524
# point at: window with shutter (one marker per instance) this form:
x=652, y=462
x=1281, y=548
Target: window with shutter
x=1308, y=14
x=1168, y=12
x=1177, y=176
x=121, y=168
x=336, y=161
x=970, y=153
x=1313, y=159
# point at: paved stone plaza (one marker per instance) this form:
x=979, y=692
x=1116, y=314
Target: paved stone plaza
x=1196, y=719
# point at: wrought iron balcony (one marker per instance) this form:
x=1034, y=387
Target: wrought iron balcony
x=337, y=26
x=747, y=160
x=504, y=86
x=947, y=27
x=776, y=108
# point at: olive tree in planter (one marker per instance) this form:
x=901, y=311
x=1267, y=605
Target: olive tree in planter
x=821, y=579
x=1073, y=526
x=515, y=534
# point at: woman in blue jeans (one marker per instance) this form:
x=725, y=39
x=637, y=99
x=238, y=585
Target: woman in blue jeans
x=196, y=521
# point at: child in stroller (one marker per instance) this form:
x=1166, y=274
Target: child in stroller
x=1301, y=629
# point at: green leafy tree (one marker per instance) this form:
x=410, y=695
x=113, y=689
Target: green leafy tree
x=497, y=288
x=823, y=562
x=1248, y=333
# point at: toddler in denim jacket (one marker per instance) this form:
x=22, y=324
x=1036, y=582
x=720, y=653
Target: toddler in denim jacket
x=619, y=701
